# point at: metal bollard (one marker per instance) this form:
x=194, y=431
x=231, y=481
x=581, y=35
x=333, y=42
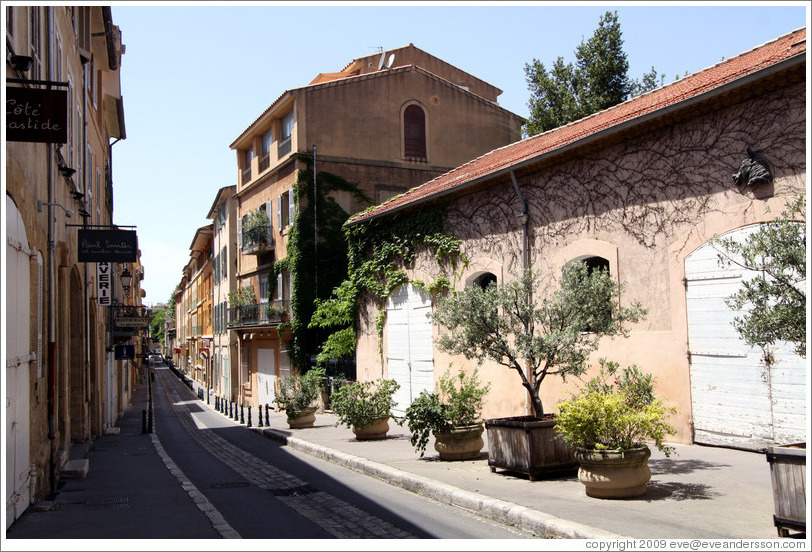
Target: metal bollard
x=242, y=414
x=259, y=415
x=267, y=416
x=216, y=402
x=249, y=415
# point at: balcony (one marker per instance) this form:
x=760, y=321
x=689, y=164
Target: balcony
x=264, y=162
x=246, y=175
x=257, y=240
x=262, y=314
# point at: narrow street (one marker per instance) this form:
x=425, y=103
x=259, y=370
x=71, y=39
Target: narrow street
x=242, y=485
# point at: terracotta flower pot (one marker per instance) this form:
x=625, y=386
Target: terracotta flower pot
x=461, y=443
x=614, y=473
x=304, y=418
x=374, y=431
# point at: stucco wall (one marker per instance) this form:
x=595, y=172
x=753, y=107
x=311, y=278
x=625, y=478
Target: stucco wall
x=644, y=202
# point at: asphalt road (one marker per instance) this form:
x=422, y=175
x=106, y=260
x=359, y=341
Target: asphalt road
x=263, y=490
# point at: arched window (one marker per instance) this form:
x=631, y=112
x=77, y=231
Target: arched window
x=592, y=264
x=485, y=279
x=414, y=132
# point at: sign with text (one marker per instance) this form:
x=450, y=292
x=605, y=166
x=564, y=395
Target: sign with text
x=36, y=115
x=104, y=283
x=114, y=246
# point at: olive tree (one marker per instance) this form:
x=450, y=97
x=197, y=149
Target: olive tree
x=534, y=331
x=774, y=302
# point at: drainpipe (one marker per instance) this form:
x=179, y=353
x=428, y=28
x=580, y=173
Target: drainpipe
x=86, y=304
x=51, y=275
x=523, y=217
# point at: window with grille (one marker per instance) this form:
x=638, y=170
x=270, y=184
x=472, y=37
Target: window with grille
x=414, y=132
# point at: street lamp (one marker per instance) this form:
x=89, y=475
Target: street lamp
x=126, y=280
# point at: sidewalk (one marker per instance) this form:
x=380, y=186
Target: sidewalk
x=698, y=493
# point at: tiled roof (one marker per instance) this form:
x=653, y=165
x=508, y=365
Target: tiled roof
x=629, y=112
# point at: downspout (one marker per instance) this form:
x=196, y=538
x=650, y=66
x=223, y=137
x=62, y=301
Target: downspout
x=85, y=304
x=523, y=217
x=51, y=274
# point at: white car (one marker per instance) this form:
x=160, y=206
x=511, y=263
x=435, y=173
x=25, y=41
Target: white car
x=155, y=358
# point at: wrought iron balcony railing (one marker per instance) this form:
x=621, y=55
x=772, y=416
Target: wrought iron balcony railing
x=259, y=314
x=258, y=239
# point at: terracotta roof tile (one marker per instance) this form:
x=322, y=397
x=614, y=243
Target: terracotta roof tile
x=723, y=73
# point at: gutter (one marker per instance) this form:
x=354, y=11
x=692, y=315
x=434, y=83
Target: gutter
x=601, y=134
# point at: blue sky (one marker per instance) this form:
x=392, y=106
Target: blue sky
x=195, y=76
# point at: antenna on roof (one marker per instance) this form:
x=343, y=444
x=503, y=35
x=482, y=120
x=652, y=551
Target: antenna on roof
x=390, y=61
x=380, y=61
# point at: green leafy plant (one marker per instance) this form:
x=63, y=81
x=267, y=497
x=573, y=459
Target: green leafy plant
x=552, y=333
x=459, y=403
x=257, y=219
x=615, y=411
x=360, y=403
x=774, y=302
x=297, y=392
x=242, y=297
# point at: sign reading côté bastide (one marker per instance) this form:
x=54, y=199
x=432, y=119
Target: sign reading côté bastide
x=114, y=246
x=36, y=115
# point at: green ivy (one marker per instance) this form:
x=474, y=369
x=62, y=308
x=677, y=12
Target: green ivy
x=379, y=252
x=301, y=261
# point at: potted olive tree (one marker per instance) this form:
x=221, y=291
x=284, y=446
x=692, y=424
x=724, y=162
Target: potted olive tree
x=453, y=416
x=365, y=407
x=535, y=335
x=608, y=423
x=297, y=394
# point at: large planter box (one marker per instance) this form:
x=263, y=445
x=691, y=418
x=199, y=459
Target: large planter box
x=527, y=444
x=788, y=474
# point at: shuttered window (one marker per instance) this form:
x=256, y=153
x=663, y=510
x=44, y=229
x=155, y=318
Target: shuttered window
x=414, y=132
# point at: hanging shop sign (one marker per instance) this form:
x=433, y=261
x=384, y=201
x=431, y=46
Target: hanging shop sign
x=104, y=271
x=115, y=246
x=125, y=352
x=36, y=115
x=122, y=321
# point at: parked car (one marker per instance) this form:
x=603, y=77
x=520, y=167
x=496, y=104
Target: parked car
x=155, y=358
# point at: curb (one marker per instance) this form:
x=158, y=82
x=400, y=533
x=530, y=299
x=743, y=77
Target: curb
x=501, y=511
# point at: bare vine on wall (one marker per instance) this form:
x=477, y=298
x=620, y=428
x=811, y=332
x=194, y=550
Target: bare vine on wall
x=650, y=187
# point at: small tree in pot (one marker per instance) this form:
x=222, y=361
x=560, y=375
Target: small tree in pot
x=536, y=335
x=297, y=394
x=365, y=407
x=454, y=416
x=608, y=424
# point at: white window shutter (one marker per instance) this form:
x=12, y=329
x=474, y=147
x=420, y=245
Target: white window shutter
x=279, y=212
x=279, y=293
x=291, y=206
x=268, y=211
x=239, y=232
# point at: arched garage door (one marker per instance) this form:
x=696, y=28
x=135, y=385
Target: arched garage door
x=409, y=344
x=737, y=401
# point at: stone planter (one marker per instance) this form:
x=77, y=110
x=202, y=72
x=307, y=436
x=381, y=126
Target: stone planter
x=461, y=443
x=372, y=432
x=527, y=444
x=614, y=473
x=304, y=418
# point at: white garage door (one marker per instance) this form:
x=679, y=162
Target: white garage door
x=18, y=359
x=737, y=400
x=409, y=344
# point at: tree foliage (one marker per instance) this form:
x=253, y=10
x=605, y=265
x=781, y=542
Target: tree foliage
x=598, y=80
x=551, y=335
x=156, y=325
x=774, y=302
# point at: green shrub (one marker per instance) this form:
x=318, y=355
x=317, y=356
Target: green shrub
x=615, y=416
x=459, y=403
x=297, y=392
x=360, y=403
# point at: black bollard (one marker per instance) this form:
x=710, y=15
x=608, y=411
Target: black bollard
x=267, y=416
x=242, y=414
x=259, y=415
x=216, y=402
x=249, y=415
x=231, y=409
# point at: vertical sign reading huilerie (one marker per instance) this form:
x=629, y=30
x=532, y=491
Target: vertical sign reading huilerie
x=36, y=115
x=104, y=283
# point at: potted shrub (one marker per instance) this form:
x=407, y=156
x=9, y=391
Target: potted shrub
x=608, y=425
x=453, y=416
x=297, y=394
x=536, y=333
x=365, y=407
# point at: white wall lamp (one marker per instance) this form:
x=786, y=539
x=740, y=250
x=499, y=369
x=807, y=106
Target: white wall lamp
x=40, y=203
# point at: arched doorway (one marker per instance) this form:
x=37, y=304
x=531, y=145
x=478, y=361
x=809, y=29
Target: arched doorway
x=736, y=399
